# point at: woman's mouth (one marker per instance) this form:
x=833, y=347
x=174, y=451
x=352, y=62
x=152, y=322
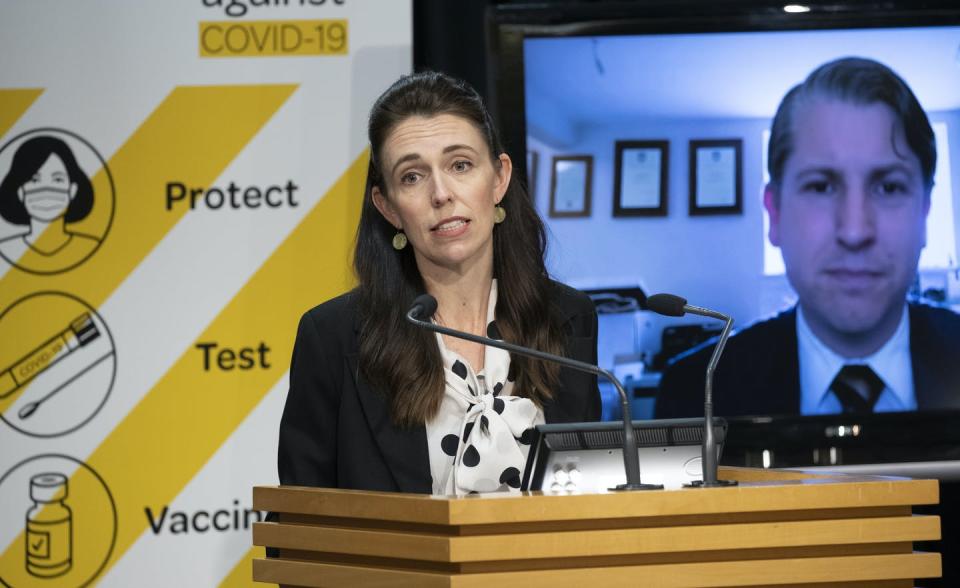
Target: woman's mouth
x=451, y=225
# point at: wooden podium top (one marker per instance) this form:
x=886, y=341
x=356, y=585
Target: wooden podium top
x=775, y=527
x=758, y=491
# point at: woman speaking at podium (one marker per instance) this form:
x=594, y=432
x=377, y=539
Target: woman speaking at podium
x=377, y=403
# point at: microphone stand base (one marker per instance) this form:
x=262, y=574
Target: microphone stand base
x=629, y=487
x=717, y=484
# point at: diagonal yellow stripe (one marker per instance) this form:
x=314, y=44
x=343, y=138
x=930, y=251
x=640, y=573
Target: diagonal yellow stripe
x=241, y=576
x=190, y=138
x=13, y=103
x=191, y=412
x=169, y=436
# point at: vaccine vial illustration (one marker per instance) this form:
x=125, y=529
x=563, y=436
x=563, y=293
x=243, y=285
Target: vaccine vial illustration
x=49, y=529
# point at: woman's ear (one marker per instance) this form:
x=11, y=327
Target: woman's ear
x=503, y=177
x=22, y=193
x=73, y=190
x=385, y=208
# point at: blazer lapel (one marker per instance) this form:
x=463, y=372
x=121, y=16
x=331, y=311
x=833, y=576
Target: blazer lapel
x=763, y=377
x=573, y=383
x=789, y=369
x=403, y=450
x=927, y=358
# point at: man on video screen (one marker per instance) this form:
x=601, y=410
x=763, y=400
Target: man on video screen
x=851, y=160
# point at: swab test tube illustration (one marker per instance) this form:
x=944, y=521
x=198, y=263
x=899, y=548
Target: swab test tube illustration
x=81, y=332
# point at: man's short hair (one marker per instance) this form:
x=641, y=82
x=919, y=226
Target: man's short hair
x=858, y=81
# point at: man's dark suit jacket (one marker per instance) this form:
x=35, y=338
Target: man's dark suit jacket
x=759, y=372
x=336, y=430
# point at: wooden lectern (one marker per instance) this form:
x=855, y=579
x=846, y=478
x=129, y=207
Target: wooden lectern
x=775, y=528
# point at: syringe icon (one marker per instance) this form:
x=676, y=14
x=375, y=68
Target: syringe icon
x=79, y=333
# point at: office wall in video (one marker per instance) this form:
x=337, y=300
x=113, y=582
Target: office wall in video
x=648, y=163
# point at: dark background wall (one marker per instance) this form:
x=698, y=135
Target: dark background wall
x=450, y=36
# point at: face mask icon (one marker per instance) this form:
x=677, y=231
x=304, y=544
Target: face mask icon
x=56, y=201
x=46, y=203
x=49, y=532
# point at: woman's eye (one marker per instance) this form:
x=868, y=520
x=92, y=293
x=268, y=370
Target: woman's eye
x=409, y=178
x=462, y=165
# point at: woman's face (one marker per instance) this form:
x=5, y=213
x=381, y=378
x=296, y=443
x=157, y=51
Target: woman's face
x=442, y=187
x=48, y=193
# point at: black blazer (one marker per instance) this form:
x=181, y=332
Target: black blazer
x=336, y=430
x=759, y=371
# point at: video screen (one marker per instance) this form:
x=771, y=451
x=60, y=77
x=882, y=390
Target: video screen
x=647, y=159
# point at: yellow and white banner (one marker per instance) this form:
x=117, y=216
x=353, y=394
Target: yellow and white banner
x=179, y=181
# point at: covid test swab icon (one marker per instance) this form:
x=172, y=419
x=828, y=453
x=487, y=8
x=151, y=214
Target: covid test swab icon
x=31, y=407
x=81, y=332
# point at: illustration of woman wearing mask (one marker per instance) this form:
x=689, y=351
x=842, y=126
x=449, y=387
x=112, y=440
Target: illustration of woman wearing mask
x=45, y=190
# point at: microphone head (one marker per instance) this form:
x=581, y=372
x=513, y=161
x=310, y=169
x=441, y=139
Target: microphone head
x=666, y=304
x=427, y=304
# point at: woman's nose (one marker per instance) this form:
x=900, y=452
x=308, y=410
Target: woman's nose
x=442, y=190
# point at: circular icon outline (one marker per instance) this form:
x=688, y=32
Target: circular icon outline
x=113, y=506
x=113, y=198
x=113, y=375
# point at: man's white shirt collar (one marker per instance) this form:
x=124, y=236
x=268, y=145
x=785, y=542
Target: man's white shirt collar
x=819, y=365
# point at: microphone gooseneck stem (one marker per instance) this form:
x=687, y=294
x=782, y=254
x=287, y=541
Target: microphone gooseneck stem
x=671, y=305
x=709, y=448
x=631, y=455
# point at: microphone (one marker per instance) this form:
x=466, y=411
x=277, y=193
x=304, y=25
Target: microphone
x=670, y=305
x=425, y=305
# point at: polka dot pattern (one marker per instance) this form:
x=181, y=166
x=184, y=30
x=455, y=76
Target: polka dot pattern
x=527, y=437
x=491, y=460
x=471, y=457
x=510, y=477
x=449, y=444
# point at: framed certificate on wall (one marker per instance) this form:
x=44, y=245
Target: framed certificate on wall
x=640, y=178
x=716, y=177
x=570, y=180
